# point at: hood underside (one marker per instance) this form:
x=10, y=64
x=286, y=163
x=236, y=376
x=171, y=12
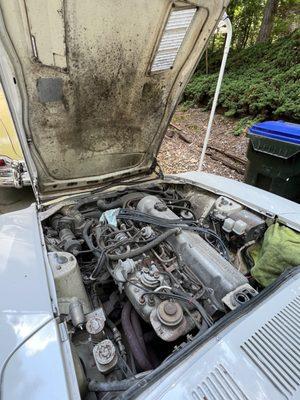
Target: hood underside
x=99, y=81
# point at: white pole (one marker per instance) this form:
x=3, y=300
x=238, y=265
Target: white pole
x=228, y=25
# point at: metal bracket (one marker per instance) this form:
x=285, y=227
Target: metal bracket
x=63, y=331
x=156, y=168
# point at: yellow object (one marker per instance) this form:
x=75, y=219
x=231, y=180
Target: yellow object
x=280, y=250
x=9, y=142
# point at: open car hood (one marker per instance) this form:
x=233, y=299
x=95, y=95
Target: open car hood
x=93, y=84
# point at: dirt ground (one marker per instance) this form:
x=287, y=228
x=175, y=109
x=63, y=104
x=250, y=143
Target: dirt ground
x=176, y=155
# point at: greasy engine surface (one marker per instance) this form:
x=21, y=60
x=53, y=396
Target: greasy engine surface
x=140, y=272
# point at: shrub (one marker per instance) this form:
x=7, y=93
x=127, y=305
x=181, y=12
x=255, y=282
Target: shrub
x=262, y=81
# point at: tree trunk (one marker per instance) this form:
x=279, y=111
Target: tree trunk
x=267, y=22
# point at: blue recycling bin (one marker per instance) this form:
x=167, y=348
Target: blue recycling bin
x=274, y=158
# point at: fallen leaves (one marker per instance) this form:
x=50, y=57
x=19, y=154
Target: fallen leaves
x=178, y=155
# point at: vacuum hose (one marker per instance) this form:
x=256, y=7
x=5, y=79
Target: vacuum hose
x=134, y=342
x=140, y=250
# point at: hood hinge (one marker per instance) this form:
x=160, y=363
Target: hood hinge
x=156, y=168
x=35, y=189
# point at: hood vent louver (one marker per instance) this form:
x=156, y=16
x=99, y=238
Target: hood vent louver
x=220, y=385
x=275, y=349
x=175, y=31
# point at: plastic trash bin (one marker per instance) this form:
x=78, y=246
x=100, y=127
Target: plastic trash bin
x=274, y=158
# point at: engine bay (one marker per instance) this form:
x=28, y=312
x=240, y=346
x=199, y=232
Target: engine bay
x=141, y=271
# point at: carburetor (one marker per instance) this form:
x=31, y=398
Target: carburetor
x=167, y=317
x=138, y=280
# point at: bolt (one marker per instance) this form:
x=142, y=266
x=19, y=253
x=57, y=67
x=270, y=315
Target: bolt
x=151, y=300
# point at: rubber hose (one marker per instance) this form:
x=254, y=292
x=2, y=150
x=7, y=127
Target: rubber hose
x=92, y=214
x=85, y=235
x=103, y=205
x=72, y=212
x=114, y=386
x=132, y=340
x=88, y=240
x=143, y=249
x=136, y=325
x=99, y=266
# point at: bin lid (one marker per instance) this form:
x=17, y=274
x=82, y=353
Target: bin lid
x=277, y=130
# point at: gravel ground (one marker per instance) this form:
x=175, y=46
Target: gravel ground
x=178, y=156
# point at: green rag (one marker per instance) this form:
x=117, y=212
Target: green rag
x=279, y=250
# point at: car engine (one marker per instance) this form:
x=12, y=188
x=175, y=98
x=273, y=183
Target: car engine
x=141, y=271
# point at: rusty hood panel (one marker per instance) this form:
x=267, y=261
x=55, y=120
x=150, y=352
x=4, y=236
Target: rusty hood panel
x=94, y=107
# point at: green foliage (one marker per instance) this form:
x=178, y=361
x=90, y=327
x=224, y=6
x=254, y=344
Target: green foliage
x=246, y=18
x=287, y=18
x=245, y=123
x=261, y=81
